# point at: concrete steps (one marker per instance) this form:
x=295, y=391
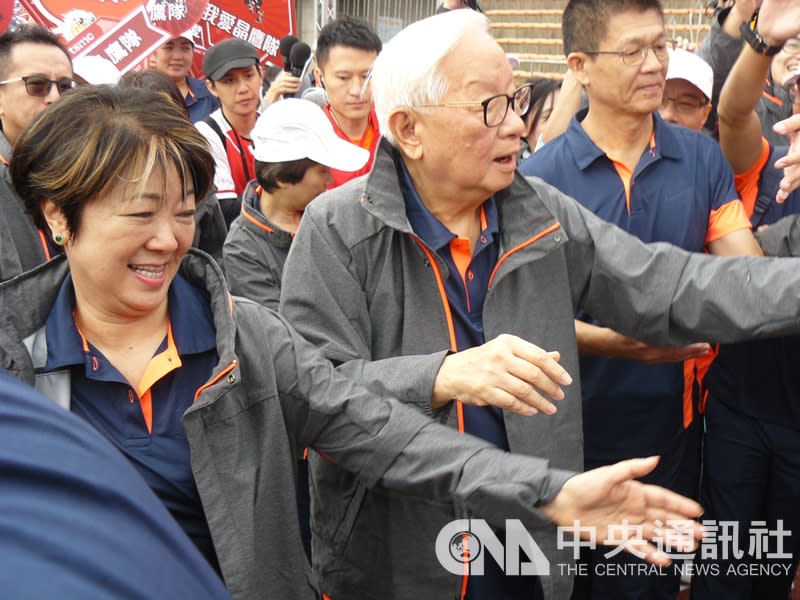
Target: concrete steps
x=531, y=30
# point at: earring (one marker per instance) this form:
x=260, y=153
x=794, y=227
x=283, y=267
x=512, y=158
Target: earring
x=58, y=239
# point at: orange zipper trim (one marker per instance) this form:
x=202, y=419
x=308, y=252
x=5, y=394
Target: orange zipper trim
x=221, y=374
x=454, y=347
x=535, y=238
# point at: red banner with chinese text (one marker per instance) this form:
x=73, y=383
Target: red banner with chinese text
x=126, y=32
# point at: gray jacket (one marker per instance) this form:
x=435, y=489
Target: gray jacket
x=362, y=287
x=210, y=228
x=20, y=245
x=270, y=395
x=720, y=51
x=255, y=251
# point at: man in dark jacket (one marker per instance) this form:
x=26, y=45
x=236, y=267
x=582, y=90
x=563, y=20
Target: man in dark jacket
x=35, y=69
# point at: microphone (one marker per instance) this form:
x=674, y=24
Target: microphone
x=285, y=47
x=298, y=57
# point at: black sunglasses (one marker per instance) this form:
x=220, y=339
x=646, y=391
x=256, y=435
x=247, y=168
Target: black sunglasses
x=40, y=86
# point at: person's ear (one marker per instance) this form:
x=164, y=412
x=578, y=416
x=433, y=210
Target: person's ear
x=211, y=88
x=56, y=221
x=577, y=61
x=405, y=125
x=706, y=111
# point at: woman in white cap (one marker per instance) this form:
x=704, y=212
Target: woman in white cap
x=295, y=148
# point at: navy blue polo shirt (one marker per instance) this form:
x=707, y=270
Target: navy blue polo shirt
x=466, y=286
x=200, y=102
x=77, y=520
x=681, y=192
x=102, y=396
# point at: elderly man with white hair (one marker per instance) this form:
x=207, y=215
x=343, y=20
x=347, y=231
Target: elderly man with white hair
x=447, y=279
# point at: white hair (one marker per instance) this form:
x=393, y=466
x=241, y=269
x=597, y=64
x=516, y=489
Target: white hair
x=407, y=73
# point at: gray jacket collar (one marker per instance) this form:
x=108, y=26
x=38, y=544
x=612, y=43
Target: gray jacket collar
x=5, y=146
x=256, y=222
x=517, y=204
x=36, y=290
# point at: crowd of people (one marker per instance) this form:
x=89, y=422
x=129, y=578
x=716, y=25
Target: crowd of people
x=300, y=338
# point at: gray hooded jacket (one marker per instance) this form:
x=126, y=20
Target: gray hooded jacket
x=361, y=286
x=270, y=395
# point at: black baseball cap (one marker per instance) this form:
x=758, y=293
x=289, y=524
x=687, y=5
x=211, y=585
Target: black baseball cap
x=232, y=53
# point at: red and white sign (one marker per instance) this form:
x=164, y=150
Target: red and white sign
x=126, y=32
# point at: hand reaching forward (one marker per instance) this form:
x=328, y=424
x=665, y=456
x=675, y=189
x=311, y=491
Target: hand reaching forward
x=507, y=372
x=791, y=162
x=610, y=497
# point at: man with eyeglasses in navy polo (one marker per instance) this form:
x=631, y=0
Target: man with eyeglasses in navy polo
x=35, y=69
x=662, y=183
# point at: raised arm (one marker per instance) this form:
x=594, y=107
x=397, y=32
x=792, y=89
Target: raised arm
x=739, y=125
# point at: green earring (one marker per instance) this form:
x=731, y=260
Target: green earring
x=58, y=239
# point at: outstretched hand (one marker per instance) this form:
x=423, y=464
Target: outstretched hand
x=791, y=162
x=611, y=501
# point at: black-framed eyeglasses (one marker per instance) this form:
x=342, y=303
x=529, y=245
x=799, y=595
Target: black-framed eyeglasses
x=40, y=86
x=495, y=108
x=637, y=56
x=684, y=104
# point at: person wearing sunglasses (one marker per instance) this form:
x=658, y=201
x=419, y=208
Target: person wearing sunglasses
x=35, y=70
x=620, y=159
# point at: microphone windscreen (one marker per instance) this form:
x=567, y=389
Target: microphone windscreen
x=300, y=53
x=285, y=47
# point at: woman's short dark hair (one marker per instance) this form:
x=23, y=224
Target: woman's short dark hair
x=97, y=137
x=151, y=79
x=271, y=174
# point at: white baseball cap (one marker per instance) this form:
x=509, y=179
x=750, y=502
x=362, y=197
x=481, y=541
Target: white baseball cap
x=687, y=65
x=95, y=70
x=292, y=129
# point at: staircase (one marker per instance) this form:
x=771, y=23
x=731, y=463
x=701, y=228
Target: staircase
x=531, y=30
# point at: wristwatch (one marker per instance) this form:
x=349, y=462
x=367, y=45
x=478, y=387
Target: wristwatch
x=756, y=42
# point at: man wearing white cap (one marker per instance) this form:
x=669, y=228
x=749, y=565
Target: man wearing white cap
x=687, y=91
x=295, y=148
x=174, y=58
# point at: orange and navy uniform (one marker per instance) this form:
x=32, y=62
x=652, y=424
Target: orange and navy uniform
x=681, y=192
x=756, y=377
x=465, y=287
x=143, y=420
x=369, y=141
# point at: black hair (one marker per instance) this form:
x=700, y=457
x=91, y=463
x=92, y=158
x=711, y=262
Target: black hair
x=346, y=31
x=584, y=23
x=31, y=34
